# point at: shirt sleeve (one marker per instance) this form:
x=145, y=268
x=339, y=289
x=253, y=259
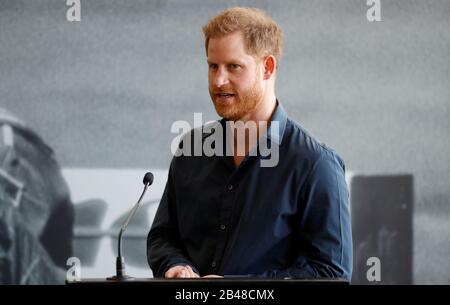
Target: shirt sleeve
x=164, y=247
x=324, y=226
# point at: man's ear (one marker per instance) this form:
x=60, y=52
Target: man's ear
x=270, y=64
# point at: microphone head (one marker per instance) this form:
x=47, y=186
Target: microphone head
x=148, y=179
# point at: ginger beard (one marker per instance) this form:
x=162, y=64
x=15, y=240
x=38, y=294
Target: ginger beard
x=240, y=103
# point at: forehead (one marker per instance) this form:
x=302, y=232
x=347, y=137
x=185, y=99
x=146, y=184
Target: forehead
x=230, y=47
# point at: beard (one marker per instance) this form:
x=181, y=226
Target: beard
x=240, y=104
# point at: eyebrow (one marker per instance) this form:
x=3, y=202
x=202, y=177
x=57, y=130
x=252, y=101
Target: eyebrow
x=239, y=62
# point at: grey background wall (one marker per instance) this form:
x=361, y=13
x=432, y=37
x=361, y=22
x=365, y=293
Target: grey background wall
x=105, y=91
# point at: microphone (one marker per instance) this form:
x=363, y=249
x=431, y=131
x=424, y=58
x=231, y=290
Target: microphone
x=120, y=261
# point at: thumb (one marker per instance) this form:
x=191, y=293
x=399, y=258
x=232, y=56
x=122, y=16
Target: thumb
x=171, y=273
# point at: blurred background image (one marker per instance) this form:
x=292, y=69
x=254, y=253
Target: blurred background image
x=86, y=108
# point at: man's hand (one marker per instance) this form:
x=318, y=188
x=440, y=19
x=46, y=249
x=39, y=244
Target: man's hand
x=180, y=272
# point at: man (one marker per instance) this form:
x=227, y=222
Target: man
x=230, y=215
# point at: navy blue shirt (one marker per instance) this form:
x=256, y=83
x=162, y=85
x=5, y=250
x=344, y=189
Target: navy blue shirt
x=289, y=220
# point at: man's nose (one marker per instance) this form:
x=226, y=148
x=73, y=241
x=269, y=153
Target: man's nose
x=220, y=78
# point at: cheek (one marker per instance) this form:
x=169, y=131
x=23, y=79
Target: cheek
x=247, y=81
x=241, y=80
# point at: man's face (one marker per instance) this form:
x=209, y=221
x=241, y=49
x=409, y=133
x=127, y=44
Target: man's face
x=235, y=77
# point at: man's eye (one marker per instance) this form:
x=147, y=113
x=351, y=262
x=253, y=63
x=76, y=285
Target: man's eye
x=234, y=66
x=213, y=66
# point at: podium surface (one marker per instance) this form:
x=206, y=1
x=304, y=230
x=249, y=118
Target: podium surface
x=232, y=281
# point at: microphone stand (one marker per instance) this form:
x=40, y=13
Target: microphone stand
x=120, y=261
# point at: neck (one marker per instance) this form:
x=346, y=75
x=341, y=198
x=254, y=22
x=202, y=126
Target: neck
x=249, y=137
x=263, y=112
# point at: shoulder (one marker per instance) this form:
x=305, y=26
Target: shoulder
x=301, y=145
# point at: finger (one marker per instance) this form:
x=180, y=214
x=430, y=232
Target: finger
x=173, y=272
x=170, y=273
x=191, y=272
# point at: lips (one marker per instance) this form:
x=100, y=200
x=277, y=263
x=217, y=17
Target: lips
x=225, y=94
x=224, y=97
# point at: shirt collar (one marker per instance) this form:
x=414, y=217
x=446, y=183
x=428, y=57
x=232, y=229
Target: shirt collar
x=279, y=116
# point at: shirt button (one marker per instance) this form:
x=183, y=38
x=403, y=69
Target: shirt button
x=213, y=264
x=223, y=227
x=230, y=187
